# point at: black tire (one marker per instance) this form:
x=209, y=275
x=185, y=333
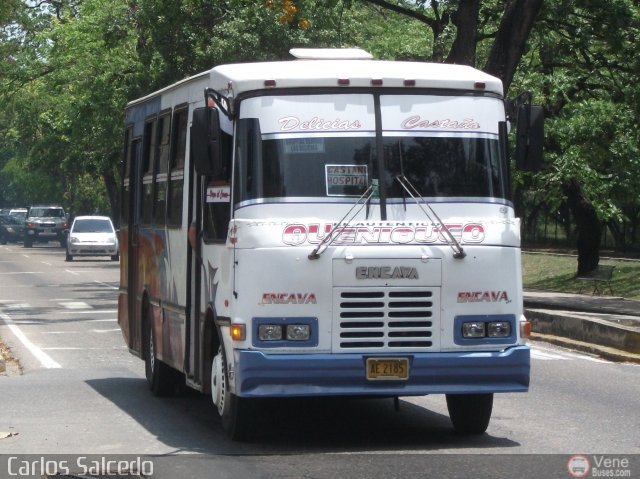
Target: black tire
x=68, y=257
x=115, y=257
x=162, y=379
x=470, y=413
x=236, y=413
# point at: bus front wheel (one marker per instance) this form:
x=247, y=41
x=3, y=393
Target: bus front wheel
x=234, y=411
x=470, y=413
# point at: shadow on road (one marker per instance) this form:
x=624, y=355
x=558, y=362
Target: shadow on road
x=291, y=426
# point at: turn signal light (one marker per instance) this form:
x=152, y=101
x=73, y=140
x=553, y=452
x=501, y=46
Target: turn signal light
x=525, y=329
x=238, y=332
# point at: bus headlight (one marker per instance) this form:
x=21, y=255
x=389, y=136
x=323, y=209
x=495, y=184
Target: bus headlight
x=298, y=332
x=475, y=329
x=270, y=332
x=499, y=329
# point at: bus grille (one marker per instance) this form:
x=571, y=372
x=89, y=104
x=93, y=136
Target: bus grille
x=386, y=319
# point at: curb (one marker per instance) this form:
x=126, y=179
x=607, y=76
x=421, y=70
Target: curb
x=584, y=328
x=604, y=352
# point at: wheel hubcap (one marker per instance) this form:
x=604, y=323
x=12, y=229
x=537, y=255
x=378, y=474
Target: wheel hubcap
x=218, y=381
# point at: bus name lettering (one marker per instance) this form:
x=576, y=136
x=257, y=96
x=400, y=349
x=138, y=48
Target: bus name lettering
x=289, y=298
x=290, y=123
x=483, y=297
x=297, y=234
x=417, y=122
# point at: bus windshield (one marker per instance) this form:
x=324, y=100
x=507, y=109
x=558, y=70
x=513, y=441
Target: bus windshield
x=327, y=148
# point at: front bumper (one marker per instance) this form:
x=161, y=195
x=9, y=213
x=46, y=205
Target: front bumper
x=44, y=233
x=283, y=375
x=88, y=249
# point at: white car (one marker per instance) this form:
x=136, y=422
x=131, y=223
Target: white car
x=92, y=236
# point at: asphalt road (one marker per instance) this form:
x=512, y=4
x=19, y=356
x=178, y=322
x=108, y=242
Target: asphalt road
x=81, y=392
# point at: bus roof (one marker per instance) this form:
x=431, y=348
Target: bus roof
x=237, y=78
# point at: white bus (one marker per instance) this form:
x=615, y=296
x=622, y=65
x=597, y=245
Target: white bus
x=331, y=225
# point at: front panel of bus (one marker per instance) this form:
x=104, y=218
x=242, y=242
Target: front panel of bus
x=350, y=211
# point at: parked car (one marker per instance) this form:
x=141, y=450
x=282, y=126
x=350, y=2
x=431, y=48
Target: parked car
x=92, y=236
x=11, y=229
x=19, y=213
x=44, y=223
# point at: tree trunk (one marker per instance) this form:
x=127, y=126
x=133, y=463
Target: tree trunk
x=112, y=193
x=511, y=38
x=463, y=50
x=588, y=227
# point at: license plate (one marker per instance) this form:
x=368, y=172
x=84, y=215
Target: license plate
x=387, y=369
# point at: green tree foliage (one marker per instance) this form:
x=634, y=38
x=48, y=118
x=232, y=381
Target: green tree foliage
x=69, y=67
x=583, y=64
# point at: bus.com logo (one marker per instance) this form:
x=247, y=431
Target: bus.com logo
x=578, y=466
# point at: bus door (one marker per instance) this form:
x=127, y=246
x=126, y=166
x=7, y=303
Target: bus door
x=135, y=200
x=193, y=363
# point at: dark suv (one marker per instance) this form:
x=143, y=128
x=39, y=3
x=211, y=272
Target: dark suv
x=45, y=223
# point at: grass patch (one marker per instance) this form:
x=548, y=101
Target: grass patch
x=549, y=272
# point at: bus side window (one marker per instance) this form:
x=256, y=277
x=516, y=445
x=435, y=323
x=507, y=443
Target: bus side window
x=148, y=162
x=217, y=209
x=176, y=172
x=160, y=177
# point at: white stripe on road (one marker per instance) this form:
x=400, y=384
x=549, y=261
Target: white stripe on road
x=546, y=354
x=106, y=284
x=81, y=332
x=22, y=272
x=72, y=272
x=40, y=355
x=85, y=349
x=91, y=311
x=75, y=305
x=587, y=357
x=536, y=354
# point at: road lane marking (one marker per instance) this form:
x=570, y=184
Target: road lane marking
x=72, y=272
x=106, y=284
x=105, y=330
x=40, y=355
x=71, y=348
x=74, y=305
x=546, y=354
x=537, y=354
x=91, y=311
x=61, y=332
x=8, y=273
x=587, y=357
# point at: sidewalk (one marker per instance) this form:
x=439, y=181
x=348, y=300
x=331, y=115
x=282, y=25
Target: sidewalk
x=608, y=326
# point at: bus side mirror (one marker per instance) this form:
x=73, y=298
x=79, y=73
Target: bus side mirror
x=206, y=141
x=529, y=137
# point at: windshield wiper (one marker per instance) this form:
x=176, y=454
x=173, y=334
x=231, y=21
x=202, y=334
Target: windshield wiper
x=458, y=252
x=371, y=191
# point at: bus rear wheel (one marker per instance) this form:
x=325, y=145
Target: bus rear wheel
x=235, y=412
x=161, y=378
x=470, y=413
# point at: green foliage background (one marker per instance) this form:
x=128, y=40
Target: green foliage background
x=68, y=68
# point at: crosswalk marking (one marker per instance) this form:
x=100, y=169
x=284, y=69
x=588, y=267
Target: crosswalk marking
x=75, y=305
